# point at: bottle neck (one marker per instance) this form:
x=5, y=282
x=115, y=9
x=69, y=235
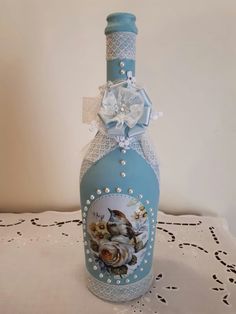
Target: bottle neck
x=117, y=69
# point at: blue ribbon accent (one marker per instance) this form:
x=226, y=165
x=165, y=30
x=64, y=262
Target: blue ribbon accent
x=124, y=130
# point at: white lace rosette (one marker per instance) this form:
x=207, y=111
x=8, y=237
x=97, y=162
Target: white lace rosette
x=121, y=115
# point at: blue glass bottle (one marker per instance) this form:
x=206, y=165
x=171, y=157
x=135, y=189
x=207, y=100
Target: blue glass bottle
x=120, y=178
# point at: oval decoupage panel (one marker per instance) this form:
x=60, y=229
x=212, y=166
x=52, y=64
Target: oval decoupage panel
x=117, y=228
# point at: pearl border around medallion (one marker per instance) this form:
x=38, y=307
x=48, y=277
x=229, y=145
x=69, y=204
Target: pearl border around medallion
x=152, y=221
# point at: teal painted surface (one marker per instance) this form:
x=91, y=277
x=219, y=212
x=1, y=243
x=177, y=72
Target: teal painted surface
x=121, y=22
x=141, y=178
x=113, y=69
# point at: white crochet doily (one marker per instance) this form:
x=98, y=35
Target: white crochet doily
x=42, y=267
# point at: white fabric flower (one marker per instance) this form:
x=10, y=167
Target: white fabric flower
x=122, y=106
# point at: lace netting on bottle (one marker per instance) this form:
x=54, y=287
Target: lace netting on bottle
x=102, y=144
x=116, y=293
x=120, y=45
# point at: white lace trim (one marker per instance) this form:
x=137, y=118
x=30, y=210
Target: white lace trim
x=120, y=45
x=117, y=293
x=101, y=145
x=145, y=149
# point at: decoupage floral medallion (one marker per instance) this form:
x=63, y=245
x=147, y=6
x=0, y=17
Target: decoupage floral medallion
x=117, y=227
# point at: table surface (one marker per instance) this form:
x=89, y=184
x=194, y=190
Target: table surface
x=42, y=267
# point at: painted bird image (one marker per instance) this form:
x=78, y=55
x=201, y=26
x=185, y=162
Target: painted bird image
x=118, y=224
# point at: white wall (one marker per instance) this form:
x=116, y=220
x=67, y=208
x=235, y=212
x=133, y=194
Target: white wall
x=53, y=52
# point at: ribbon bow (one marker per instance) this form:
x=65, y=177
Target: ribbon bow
x=125, y=111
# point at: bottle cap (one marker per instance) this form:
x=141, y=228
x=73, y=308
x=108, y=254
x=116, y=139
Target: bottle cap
x=121, y=22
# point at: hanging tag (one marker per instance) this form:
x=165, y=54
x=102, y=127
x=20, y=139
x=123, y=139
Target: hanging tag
x=90, y=108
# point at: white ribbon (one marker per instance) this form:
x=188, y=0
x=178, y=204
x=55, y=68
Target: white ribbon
x=122, y=106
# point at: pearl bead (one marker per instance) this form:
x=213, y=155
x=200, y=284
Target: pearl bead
x=127, y=280
x=84, y=214
x=135, y=276
x=108, y=280
x=118, y=282
x=118, y=190
x=122, y=64
x=123, y=151
x=130, y=191
x=123, y=162
x=145, y=261
x=101, y=275
x=147, y=202
x=123, y=174
x=90, y=260
x=122, y=71
x=95, y=267
x=140, y=196
x=122, y=109
x=98, y=192
x=107, y=190
x=92, y=197
x=88, y=202
x=85, y=208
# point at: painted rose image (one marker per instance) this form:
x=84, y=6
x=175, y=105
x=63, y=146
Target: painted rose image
x=115, y=254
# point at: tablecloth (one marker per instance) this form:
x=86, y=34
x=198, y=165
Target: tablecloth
x=42, y=267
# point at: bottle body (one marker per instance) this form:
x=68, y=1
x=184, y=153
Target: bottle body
x=119, y=221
